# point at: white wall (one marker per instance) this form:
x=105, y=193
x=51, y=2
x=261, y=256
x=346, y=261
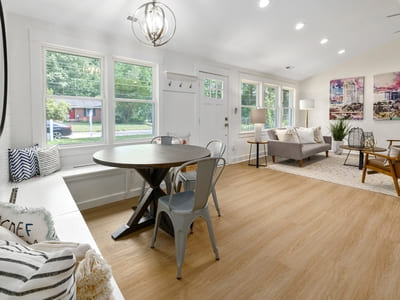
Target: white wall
x=381, y=60
x=27, y=37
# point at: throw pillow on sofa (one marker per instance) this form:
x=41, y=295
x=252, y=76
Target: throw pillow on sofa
x=318, y=137
x=48, y=160
x=306, y=135
x=287, y=135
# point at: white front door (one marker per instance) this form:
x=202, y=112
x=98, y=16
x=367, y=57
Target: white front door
x=213, y=108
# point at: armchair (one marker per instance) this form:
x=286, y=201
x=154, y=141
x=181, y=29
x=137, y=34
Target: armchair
x=384, y=164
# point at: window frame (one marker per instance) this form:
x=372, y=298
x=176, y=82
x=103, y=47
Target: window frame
x=291, y=107
x=261, y=83
x=256, y=83
x=103, y=92
x=114, y=99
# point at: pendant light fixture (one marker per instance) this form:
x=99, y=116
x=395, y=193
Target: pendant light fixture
x=153, y=23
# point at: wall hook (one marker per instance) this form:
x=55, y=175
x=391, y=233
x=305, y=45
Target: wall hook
x=180, y=85
x=169, y=83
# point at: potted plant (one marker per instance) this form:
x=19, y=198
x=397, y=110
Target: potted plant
x=339, y=129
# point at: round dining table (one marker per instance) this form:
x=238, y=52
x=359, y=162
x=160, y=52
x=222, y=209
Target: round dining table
x=152, y=162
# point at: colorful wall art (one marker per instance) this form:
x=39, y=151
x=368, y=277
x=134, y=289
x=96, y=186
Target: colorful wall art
x=386, y=96
x=347, y=99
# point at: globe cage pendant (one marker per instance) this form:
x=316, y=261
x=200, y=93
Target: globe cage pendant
x=153, y=24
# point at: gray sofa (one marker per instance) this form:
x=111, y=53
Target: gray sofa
x=297, y=151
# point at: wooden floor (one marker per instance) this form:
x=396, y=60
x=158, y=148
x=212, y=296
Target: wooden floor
x=280, y=236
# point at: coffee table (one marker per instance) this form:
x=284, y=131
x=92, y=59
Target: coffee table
x=360, y=155
x=152, y=162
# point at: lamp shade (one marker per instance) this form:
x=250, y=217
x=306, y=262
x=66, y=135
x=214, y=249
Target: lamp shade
x=307, y=104
x=257, y=116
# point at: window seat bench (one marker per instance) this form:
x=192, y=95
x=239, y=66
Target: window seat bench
x=53, y=193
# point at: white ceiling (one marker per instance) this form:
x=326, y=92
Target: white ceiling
x=239, y=33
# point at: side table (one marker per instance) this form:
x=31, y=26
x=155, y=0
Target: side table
x=257, y=164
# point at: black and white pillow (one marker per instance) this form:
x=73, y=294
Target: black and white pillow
x=30, y=274
x=49, y=160
x=23, y=163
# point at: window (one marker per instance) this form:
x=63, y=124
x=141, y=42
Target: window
x=249, y=97
x=287, y=107
x=213, y=88
x=277, y=100
x=73, y=98
x=134, y=103
x=270, y=101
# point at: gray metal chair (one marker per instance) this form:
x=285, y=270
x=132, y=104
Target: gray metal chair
x=217, y=149
x=164, y=140
x=184, y=207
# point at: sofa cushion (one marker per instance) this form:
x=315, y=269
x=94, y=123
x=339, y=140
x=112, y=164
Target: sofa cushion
x=306, y=135
x=287, y=135
x=318, y=137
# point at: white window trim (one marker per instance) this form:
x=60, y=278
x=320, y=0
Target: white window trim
x=261, y=82
x=258, y=100
x=103, y=92
x=114, y=99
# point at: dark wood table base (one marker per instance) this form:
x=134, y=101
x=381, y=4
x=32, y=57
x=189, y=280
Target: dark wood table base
x=145, y=212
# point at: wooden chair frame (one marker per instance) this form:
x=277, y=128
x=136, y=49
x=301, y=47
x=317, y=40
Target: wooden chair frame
x=391, y=171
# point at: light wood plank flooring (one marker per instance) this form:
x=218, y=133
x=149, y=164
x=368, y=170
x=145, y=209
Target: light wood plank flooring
x=280, y=236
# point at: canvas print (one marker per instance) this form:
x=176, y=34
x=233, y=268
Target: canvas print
x=386, y=96
x=346, y=99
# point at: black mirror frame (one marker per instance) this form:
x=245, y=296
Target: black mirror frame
x=5, y=82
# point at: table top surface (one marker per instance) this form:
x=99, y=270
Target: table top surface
x=255, y=142
x=375, y=149
x=149, y=155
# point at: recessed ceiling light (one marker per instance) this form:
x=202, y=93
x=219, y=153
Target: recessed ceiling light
x=323, y=41
x=299, y=26
x=264, y=3
x=289, y=67
x=341, y=51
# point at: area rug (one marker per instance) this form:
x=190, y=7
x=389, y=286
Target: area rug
x=332, y=169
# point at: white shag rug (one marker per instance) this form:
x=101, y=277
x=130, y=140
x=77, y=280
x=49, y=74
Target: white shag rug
x=332, y=169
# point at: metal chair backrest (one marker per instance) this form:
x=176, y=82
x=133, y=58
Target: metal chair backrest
x=166, y=140
x=216, y=147
x=205, y=179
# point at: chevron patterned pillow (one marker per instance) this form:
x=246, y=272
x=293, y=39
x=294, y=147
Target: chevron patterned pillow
x=23, y=163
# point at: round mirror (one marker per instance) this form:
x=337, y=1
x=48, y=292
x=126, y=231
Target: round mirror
x=3, y=71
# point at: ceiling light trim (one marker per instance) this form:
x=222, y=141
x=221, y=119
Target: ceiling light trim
x=299, y=25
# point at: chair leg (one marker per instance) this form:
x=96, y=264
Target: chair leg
x=214, y=195
x=326, y=153
x=364, y=169
x=211, y=234
x=300, y=163
x=396, y=185
x=157, y=223
x=273, y=159
x=180, y=246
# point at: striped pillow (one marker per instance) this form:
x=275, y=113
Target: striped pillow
x=49, y=160
x=30, y=274
x=23, y=163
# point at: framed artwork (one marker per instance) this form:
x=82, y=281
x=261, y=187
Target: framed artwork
x=386, y=96
x=346, y=98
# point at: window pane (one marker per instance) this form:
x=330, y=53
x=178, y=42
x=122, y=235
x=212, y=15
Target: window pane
x=219, y=94
x=73, y=121
x=207, y=93
x=213, y=93
x=133, y=81
x=249, y=94
x=72, y=75
x=133, y=120
x=286, y=114
x=270, y=118
x=219, y=84
x=245, y=122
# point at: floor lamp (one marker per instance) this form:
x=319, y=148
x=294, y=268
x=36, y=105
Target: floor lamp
x=307, y=104
x=257, y=117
